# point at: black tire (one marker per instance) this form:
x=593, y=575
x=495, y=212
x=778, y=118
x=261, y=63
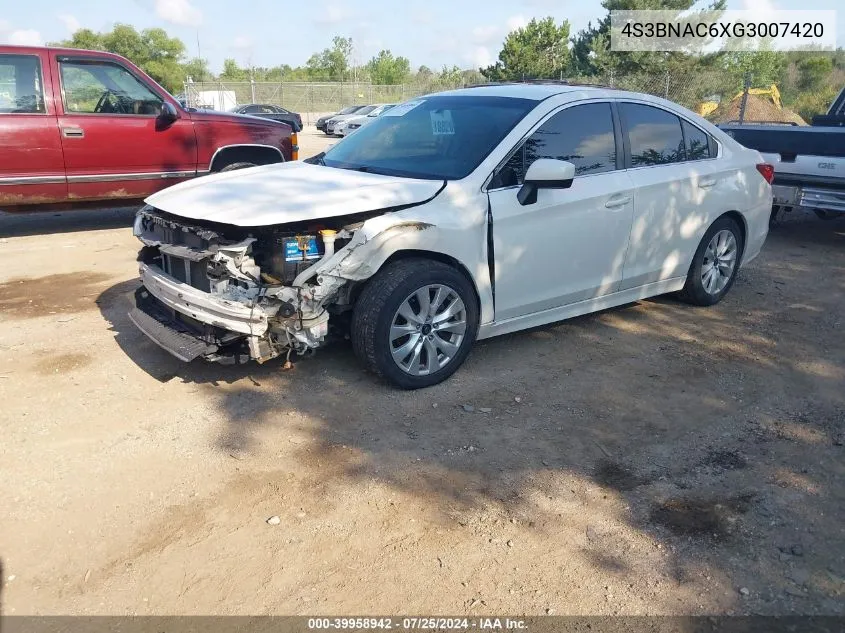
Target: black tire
x=694, y=291
x=240, y=165
x=381, y=298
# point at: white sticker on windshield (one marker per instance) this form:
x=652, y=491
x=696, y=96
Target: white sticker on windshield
x=403, y=108
x=441, y=122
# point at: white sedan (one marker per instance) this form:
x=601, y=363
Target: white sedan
x=336, y=120
x=354, y=123
x=454, y=217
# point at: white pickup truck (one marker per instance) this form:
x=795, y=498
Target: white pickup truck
x=809, y=161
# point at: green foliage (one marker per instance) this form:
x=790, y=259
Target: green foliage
x=813, y=71
x=233, y=72
x=809, y=104
x=332, y=64
x=384, y=68
x=764, y=67
x=536, y=51
x=197, y=69
x=152, y=50
x=591, y=52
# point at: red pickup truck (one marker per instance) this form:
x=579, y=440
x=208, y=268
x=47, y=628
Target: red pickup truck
x=86, y=127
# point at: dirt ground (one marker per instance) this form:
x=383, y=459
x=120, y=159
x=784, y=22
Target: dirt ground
x=652, y=459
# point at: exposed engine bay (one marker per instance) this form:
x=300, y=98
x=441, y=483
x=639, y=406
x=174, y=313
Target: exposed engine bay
x=231, y=294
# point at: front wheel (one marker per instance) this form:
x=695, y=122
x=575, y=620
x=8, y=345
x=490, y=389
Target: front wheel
x=715, y=264
x=415, y=322
x=240, y=165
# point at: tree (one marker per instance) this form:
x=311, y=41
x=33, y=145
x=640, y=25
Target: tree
x=813, y=71
x=764, y=67
x=537, y=51
x=332, y=64
x=424, y=73
x=152, y=50
x=197, y=69
x=386, y=69
x=233, y=72
x=451, y=76
x=591, y=47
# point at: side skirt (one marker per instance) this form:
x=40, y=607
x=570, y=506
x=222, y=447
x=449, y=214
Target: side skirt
x=582, y=307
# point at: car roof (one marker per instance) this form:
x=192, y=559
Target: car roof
x=536, y=91
x=21, y=49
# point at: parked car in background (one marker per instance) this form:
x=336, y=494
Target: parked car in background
x=86, y=127
x=274, y=112
x=321, y=122
x=356, y=122
x=332, y=122
x=452, y=218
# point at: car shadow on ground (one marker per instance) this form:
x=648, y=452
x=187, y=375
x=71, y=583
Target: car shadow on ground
x=715, y=432
x=50, y=222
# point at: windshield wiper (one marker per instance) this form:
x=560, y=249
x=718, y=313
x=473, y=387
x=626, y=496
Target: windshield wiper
x=316, y=160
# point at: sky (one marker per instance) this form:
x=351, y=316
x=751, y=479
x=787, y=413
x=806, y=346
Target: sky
x=466, y=33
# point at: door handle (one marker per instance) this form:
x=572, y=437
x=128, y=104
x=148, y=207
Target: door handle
x=73, y=132
x=615, y=203
x=706, y=183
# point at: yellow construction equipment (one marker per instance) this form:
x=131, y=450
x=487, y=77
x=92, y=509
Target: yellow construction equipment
x=772, y=91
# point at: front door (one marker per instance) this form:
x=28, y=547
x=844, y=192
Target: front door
x=115, y=143
x=569, y=245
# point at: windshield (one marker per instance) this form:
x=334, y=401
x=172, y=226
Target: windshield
x=365, y=110
x=350, y=110
x=435, y=138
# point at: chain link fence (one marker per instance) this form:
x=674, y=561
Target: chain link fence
x=311, y=100
x=715, y=95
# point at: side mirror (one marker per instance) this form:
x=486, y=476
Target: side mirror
x=168, y=113
x=545, y=173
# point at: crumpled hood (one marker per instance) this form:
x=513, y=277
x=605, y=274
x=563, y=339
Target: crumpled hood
x=288, y=192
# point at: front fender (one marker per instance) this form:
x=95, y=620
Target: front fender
x=463, y=241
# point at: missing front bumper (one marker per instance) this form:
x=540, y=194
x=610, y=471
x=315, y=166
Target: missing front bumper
x=185, y=341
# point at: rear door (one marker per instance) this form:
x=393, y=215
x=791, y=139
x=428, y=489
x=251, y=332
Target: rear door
x=115, y=144
x=32, y=168
x=678, y=189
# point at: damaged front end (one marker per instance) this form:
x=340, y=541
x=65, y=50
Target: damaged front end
x=232, y=294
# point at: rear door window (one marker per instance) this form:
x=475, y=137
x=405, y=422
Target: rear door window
x=654, y=135
x=21, y=85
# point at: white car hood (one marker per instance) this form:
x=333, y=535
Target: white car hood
x=288, y=192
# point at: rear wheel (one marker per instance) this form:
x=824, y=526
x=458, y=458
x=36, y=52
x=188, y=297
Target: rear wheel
x=715, y=264
x=415, y=322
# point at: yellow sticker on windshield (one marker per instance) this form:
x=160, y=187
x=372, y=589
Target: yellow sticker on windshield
x=441, y=122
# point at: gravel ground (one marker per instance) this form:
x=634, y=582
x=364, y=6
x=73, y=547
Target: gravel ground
x=651, y=459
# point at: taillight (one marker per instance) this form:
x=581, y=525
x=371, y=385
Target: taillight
x=294, y=146
x=767, y=171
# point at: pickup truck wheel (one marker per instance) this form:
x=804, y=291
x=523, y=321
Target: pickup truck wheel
x=715, y=264
x=234, y=166
x=415, y=322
